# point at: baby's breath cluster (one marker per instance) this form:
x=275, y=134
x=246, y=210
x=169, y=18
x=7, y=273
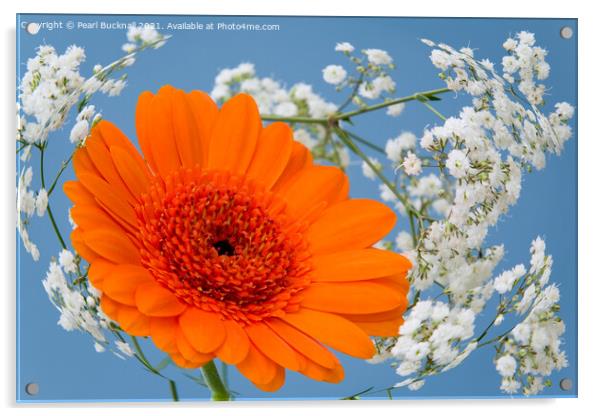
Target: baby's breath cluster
x=461, y=178
x=79, y=304
x=532, y=349
x=370, y=79
x=432, y=340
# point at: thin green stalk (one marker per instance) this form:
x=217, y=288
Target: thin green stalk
x=375, y=107
x=348, y=115
x=50, y=215
x=366, y=142
x=309, y=120
x=60, y=172
x=353, y=94
x=219, y=393
x=434, y=110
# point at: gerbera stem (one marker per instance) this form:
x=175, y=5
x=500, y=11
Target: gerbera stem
x=219, y=393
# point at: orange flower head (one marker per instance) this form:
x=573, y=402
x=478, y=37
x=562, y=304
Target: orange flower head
x=224, y=240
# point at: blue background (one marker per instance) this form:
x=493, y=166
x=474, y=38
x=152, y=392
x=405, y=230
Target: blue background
x=65, y=364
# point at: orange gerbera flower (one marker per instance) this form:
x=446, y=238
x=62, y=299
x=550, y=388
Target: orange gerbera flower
x=226, y=240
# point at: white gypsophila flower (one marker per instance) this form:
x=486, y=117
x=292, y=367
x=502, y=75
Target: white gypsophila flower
x=41, y=202
x=395, y=109
x=416, y=385
x=378, y=56
x=506, y=365
x=305, y=138
x=395, y=147
x=334, y=74
x=510, y=385
x=427, y=186
x=345, y=47
x=286, y=109
x=375, y=88
x=79, y=131
x=412, y=165
x=505, y=281
x=124, y=348
x=367, y=170
x=67, y=261
x=404, y=241
x=457, y=163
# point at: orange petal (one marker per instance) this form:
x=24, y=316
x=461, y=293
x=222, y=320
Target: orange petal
x=312, y=186
x=300, y=159
x=153, y=299
x=353, y=297
x=163, y=333
x=388, y=328
x=112, y=136
x=133, y=322
x=334, y=331
x=319, y=373
x=137, y=180
x=144, y=127
x=235, y=135
x=362, y=264
x=78, y=194
x=162, y=138
x=274, y=347
x=204, y=330
x=205, y=113
x=352, y=224
x=276, y=382
x=182, y=362
x=303, y=343
x=188, y=351
x=123, y=281
x=82, y=163
x=236, y=346
x=257, y=367
x=109, y=306
x=112, y=245
x=379, y=316
x=98, y=271
x=77, y=239
x=104, y=194
x=188, y=140
x=89, y=217
x=101, y=157
x=272, y=154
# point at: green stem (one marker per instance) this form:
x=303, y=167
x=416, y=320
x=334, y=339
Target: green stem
x=434, y=110
x=50, y=215
x=60, y=172
x=366, y=142
x=174, y=391
x=219, y=393
x=375, y=107
x=309, y=120
x=367, y=109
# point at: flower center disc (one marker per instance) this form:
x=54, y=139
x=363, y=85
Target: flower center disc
x=223, y=244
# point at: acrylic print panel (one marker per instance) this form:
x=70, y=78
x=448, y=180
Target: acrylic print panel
x=272, y=208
